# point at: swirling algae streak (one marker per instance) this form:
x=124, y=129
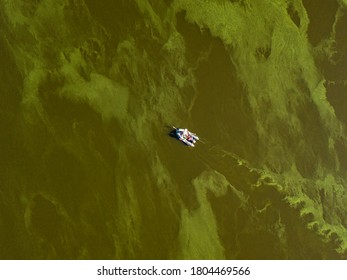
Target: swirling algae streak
x=88, y=171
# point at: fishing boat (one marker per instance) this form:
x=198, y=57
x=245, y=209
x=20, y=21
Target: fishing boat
x=185, y=136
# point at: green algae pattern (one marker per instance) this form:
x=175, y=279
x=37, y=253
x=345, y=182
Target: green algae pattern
x=90, y=90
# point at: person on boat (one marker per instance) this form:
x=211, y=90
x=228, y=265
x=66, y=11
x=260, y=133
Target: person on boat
x=187, y=135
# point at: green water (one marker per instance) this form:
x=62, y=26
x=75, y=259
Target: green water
x=90, y=89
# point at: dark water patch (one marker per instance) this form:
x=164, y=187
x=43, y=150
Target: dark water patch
x=334, y=71
x=336, y=94
x=11, y=80
x=241, y=218
x=263, y=53
x=8, y=142
x=333, y=63
x=66, y=177
x=98, y=225
x=45, y=219
x=259, y=245
x=197, y=41
x=320, y=23
x=13, y=239
x=159, y=230
x=341, y=151
x=53, y=235
x=227, y=212
x=333, y=68
x=293, y=13
x=341, y=34
x=308, y=217
x=221, y=96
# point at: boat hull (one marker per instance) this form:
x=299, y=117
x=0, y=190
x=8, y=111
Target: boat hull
x=180, y=133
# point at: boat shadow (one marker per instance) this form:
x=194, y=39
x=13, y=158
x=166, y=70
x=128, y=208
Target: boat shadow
x=173, y=134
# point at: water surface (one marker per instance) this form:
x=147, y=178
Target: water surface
x=90, y=90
